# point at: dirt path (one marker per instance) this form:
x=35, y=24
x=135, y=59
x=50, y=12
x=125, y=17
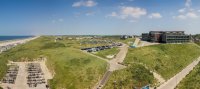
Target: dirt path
x=174, y=81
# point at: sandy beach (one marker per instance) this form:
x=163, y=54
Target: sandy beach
x=19, y=41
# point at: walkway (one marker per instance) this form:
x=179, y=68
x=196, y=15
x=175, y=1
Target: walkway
x=114, y=65
x=174, y=81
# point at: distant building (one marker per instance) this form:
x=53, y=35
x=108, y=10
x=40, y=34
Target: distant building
x=166, y=37
x=145, y=36
x=123, y=37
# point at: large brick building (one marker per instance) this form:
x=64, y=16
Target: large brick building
x=166, y=36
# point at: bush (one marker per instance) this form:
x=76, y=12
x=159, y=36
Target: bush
x=133, y=76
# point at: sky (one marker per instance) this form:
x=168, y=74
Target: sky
x=98, y=17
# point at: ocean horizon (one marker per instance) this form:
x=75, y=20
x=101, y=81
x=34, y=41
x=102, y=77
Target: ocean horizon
x=5, y=38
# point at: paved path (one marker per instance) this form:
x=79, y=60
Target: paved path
x=139, y=43
x=114, y=65
x=105, y=78
x=174, y=81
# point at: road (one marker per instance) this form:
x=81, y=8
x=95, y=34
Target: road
x=174, y=81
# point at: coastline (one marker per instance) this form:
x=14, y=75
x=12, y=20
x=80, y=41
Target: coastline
x=4, y=45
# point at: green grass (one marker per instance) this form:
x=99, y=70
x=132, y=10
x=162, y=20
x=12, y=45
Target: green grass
x=3, y=67
x=166, y=59
x=133, y=76
x=73, y=69
x=198, y=43
x=192, y=80
x=105, y=53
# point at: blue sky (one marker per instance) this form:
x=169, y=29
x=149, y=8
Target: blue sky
x=97, y=17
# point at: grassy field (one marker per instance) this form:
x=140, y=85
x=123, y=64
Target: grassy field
x=105, y=53
x=133, y=76
x=72, y=68
x=192, y=80
x=166, y=59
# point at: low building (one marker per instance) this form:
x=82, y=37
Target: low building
x=166, y=37
x=145, y=36
x=123, y=37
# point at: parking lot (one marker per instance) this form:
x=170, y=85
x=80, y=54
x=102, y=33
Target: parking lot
x=99, y=48
x=26, y=75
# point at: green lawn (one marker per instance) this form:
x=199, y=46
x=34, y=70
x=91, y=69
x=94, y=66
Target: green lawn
x=105, y=53
x=133, y=76
x=73, y=69
x=192, y=80
x=166, y=59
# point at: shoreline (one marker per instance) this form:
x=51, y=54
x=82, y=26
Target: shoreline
x=5, y=45
x=15, y=41
x=2, y=41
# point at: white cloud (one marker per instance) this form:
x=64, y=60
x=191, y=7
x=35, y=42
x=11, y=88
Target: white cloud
x=128, y=13
x=192, y=15
x=198, y=10
x=188, y=3
x=89, y=13
x=181, y=17
x=182, y=10
x=133, y=12
x=187, y=12
x=113, y=14
x=189, y=15
x=87, y=3
x=57, y=20
x=155, y=15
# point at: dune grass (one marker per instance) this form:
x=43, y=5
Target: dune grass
x=135, y=76
x=105, y=53
x=117, y=38
x=166, y=59
x=72, y=68
x=192, y=80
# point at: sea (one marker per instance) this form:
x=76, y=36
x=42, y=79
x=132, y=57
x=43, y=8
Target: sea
x=5, y=38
